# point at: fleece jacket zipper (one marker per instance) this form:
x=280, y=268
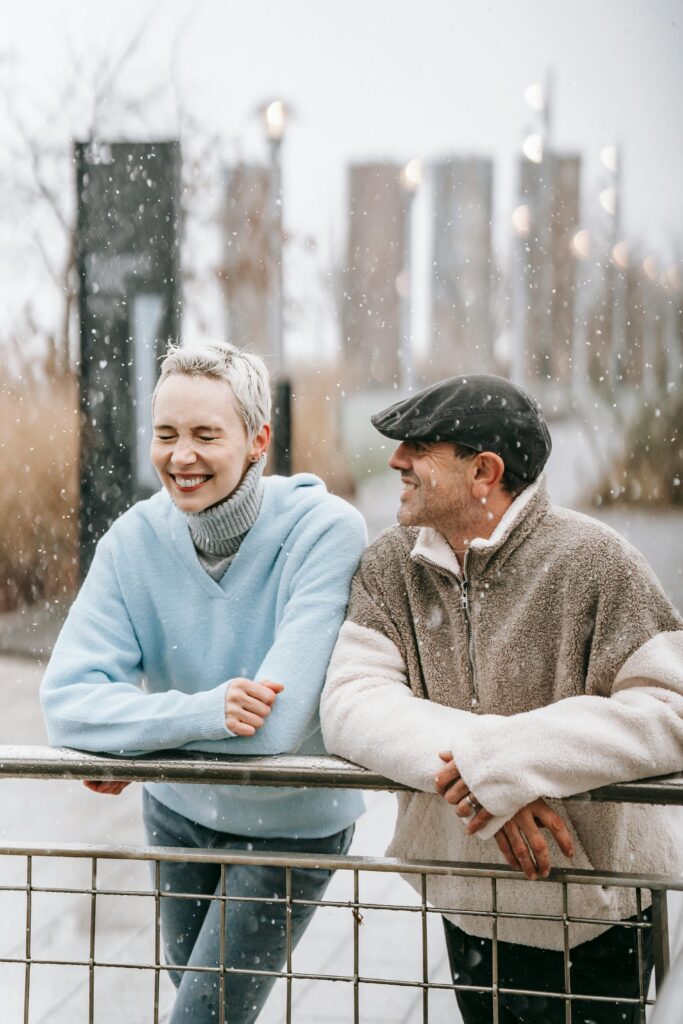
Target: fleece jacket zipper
x=463, y=584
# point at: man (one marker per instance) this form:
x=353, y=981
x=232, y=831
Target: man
x=510, y=650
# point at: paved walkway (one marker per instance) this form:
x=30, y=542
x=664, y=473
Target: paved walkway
x=65, y=812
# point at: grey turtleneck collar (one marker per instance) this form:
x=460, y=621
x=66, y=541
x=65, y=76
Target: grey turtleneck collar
x=218, y=532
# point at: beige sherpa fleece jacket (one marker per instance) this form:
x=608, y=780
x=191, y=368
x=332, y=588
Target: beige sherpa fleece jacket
x=550, y=664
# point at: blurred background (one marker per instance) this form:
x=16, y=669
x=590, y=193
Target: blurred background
x=371, y=199
x=372, y=195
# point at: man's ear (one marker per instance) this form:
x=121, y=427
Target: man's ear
x=488, y=471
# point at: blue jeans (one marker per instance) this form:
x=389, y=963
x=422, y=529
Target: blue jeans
x=255, y=933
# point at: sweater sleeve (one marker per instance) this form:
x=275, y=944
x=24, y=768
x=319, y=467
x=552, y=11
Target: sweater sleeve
x=91, y=693
x=306, y=633
x=633, y=730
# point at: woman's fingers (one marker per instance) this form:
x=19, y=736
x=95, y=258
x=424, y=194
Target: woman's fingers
x=249, y=718
x=111, y=788
x=239, y=728
x=274, y=687
x=248, y=704
x=256, y=707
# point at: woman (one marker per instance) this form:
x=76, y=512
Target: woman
x=206, y=621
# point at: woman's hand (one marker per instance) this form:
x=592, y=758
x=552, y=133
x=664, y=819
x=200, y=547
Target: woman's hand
x=248, y=704
x=113, y=788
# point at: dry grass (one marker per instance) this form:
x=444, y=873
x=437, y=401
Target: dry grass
x=650, y=473
x=39, y=429
x=38, y=493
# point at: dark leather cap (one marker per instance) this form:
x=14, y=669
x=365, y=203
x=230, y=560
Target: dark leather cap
x=487, y=413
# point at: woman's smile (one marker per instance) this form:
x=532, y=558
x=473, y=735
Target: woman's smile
x=189, y=483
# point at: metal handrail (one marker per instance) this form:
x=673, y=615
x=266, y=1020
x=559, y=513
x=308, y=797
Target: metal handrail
x=32, y=762
x=338, y=862
x=180, y=766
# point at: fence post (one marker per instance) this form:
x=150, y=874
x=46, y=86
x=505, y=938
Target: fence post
x=660, y=935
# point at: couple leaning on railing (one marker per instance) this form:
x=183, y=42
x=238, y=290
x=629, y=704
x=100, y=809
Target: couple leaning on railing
x=496, y=650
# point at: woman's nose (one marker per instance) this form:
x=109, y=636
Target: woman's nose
x=184, y=453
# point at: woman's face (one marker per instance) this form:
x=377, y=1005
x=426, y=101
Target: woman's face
x=200, y=447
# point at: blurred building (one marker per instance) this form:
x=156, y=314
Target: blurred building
x=546, y=221
x=462, y=266
x=373, y=276
x=248, y=271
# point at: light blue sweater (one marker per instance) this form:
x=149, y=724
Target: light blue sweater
x=144, y=658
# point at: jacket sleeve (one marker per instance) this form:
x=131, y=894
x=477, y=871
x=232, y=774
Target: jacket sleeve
x=633, y=730
x=91, y=693
x=370, y=716
x=369, y=713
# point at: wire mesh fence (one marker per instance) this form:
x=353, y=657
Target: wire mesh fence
x=40, y=882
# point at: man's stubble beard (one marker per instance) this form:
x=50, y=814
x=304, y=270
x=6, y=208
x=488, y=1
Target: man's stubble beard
x=445, y=515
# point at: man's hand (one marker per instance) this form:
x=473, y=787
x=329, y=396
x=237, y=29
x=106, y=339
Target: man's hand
x=248, y=704
x=520, y=840
x=522, y=843
x=113, y=788
x=455, y=790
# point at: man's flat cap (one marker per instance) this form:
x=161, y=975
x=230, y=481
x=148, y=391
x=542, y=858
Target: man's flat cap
x=487, y=413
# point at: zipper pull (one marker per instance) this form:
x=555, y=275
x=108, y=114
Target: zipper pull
x=464, y=602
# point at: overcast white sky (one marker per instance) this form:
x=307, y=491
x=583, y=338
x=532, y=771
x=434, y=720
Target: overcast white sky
x=397, y=79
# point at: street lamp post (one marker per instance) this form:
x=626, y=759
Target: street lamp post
x=274, y=116
x=581, y=247
x=610, y=201
x=411, y=179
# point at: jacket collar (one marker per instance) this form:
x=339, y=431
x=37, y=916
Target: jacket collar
x=522, y=515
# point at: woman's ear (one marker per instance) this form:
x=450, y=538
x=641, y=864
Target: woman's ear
x=260, y=442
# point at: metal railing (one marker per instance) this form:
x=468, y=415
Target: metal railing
x=328, y=772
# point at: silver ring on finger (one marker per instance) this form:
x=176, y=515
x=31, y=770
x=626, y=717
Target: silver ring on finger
x=473, y=802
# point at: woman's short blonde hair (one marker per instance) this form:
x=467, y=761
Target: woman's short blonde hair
x=247, y=375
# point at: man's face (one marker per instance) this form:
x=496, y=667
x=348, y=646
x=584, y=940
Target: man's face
x=436, y=488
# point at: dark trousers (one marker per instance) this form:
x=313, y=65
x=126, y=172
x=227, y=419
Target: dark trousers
x=606, y=966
